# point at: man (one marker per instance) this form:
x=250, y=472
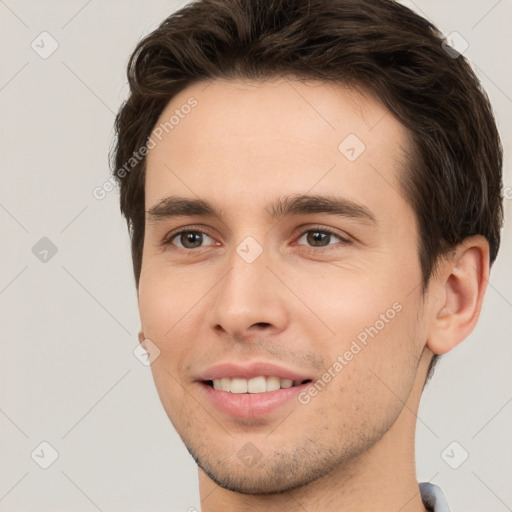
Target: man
x=313, y=191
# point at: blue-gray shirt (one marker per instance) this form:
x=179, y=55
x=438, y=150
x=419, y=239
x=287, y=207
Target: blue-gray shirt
x=433, y=497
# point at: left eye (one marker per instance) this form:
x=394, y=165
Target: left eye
x=320, y=237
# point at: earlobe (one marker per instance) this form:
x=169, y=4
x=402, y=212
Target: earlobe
x=461, y=281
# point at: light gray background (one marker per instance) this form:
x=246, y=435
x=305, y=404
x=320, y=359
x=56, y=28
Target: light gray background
x=68, y=326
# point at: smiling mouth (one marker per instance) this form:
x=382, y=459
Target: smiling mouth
x=253, y=386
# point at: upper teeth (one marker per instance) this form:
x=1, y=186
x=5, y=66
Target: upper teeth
x=254, y=385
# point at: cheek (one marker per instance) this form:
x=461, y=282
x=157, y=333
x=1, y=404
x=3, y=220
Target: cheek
x=374, y=341
x=166, y=313
x=166, y=297
x=351, y=303
x=167, y=306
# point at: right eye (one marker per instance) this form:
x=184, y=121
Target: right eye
x=186, y=239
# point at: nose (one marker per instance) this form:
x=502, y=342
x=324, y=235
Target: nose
x=249, y=300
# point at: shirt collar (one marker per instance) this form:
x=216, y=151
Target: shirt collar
x=433, y=497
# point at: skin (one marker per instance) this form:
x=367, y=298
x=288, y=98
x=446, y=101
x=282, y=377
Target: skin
x=298, y=304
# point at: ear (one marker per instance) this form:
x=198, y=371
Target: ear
x=141, y=335
x=458, y=290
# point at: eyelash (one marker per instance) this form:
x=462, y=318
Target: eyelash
x=167, y=242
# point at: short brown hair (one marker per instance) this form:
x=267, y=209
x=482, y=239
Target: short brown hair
x=454, y=179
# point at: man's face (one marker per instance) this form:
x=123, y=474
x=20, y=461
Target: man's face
x=334, y=299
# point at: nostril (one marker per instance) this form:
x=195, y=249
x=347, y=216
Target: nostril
x=262, y=324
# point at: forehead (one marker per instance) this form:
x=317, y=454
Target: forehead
x=252, y=140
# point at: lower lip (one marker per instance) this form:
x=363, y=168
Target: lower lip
x=251, y=405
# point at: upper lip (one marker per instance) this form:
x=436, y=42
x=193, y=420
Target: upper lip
x=250, y=370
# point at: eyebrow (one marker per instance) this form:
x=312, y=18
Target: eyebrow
x=175, y=206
